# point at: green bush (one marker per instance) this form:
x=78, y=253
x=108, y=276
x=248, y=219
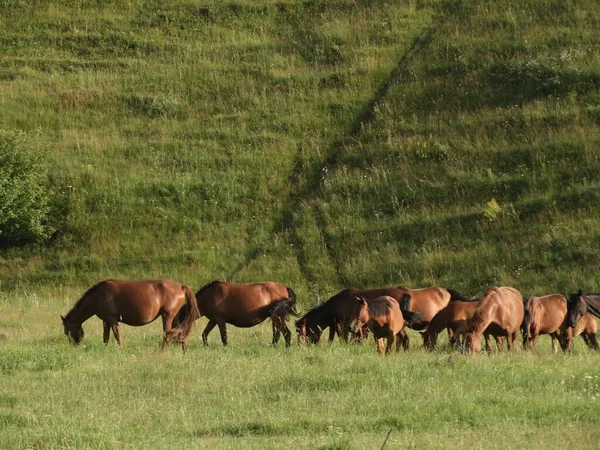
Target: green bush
x=24, y=195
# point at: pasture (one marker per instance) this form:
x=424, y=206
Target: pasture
x=320, y=144
x=249, y=395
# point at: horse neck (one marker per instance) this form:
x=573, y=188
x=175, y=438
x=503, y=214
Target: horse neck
x=593, y=304
x=83, y=310
x=478, y=324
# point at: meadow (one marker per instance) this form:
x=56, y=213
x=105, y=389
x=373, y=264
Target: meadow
x=321, y=144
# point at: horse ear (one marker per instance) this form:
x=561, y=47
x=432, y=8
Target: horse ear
x=62, y=318
x=579, y=292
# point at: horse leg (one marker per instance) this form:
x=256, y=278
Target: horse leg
x=510, y=338
x=287, y=334
x=488, y=345
x=223, y=331
x=211, y=324
x=276, y=330
x=390, y=343
x=117, y=332
x=380, y=345
x=332, y=332
x=554, y=337
x=593, y=341
x=106, y=333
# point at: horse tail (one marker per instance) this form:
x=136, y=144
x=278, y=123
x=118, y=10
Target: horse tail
x=526, y=327
x=412, y=318
x=190, y=313
x=456, y=296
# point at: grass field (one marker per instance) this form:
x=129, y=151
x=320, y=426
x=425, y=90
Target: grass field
x=321, y=144
x=250, y=395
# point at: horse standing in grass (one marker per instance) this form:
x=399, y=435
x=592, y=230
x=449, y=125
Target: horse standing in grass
x=500, y=313
x=383, y=317
x=586, y=327
x=133, y=303
x=334, y=313
x=244, y=306
x=453, y=317
x=543, y=315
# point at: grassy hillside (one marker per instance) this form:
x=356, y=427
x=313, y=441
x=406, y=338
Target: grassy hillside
x=322, y=144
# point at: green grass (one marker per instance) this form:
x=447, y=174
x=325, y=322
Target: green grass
x=323, y=145
x=250, y=395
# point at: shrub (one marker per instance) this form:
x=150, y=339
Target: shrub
x=24, y=196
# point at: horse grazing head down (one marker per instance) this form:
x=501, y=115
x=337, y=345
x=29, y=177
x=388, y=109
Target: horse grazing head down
x=359, y=315
x=74, y=331
x=307, y=334
x=576, y=308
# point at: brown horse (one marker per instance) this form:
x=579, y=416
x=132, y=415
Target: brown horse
x=500, y=313
x=453, y=317
x=586, y=327
x=133, y=303
x=246, y=305
x=383, y=317
x=334, y=313
x=543, y=315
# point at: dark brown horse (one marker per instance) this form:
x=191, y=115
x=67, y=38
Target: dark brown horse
x=580, y=304
x=500, y=313
x=335, y=313
x=133, y=303
x=246, y=305
x=453, y=317
x=383, y=317
x=543, y=315
x=586, y=327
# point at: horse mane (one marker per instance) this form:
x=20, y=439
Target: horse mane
x=312, y=317
x=456, y=296
x=476, y=323
x=378, y=307
x=79, y=302
x=207, y=286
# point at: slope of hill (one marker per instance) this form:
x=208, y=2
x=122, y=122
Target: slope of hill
x=324, y=144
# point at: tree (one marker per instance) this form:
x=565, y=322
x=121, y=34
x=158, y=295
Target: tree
x=24, y=193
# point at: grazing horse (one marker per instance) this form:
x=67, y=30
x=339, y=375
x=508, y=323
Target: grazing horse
x=543, y=315
x=134, y=303
x=586, y=327
x=580, y=304
x=383, y=317
x=500, y=313
x=334, y=313
x=427, y=301
x=244, y=306
x=454, y=317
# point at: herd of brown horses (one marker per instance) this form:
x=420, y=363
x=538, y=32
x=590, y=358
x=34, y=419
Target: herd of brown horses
x=350, y=314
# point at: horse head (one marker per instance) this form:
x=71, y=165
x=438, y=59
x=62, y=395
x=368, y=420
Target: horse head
x=471, y=344
x=360, y=315
x=73, y=330
x=576, y=308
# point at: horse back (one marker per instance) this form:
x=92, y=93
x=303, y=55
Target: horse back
x=384, y=312
x=242, y=305
x=428, y=301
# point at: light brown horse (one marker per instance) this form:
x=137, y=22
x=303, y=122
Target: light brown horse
x=426, y=301
x=133, y=303
x=586, y=327
x=543, y=315
x=500, y=313
x=453, y=317
x=246, y=305
x=383, y=317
